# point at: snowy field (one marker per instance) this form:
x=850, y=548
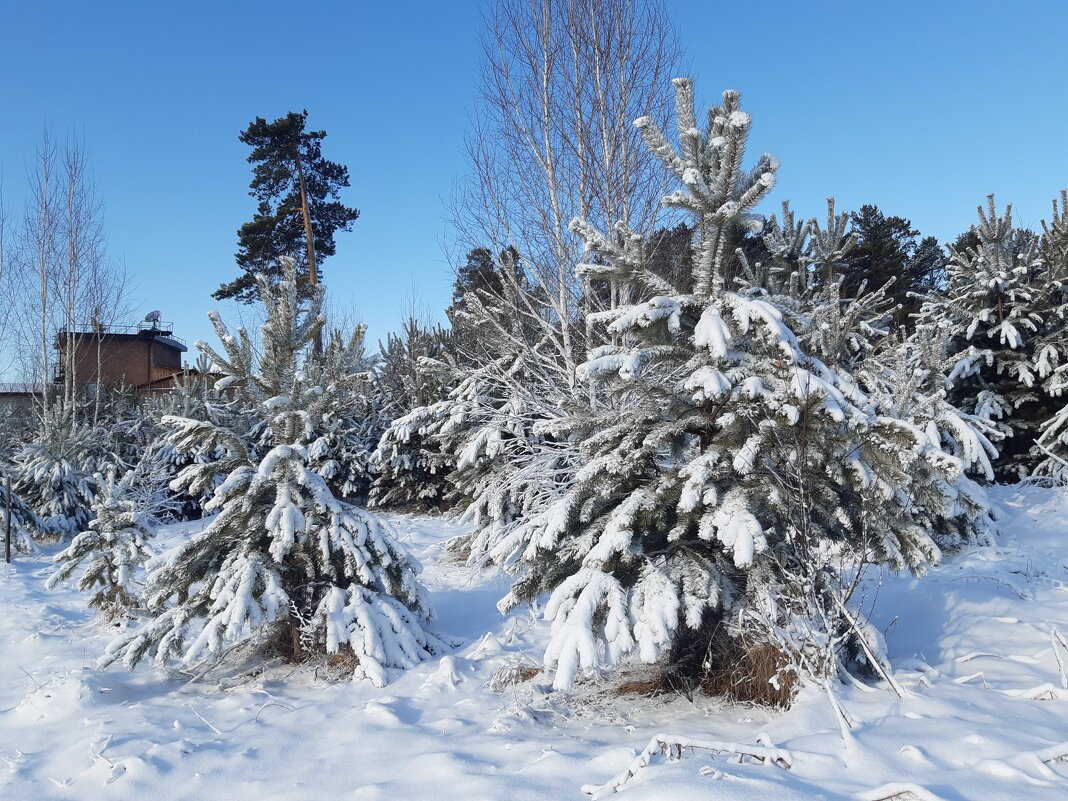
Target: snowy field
x=980, y=648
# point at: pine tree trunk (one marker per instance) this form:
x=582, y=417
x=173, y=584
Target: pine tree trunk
x=312, y=274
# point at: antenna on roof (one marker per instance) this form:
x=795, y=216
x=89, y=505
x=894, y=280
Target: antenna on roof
x=153, y=316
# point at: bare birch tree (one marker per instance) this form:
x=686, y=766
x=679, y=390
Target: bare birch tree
x=552, y=139
x=95, y=290
x=38, y=252
x=6, y=281
x=69, y=289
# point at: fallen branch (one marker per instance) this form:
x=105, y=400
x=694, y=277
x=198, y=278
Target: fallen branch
x=899, y=791
x=673, y=746
x=875, y=661
x=1055, y=753
x=845, y=722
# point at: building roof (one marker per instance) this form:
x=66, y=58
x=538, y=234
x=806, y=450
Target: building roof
x=20, y=389
x=160, y=332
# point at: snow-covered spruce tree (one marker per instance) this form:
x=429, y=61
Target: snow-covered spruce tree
x=907, y=378
x=349, y=432
x=504, y=468
x=720, y=459
x=991, y=313
x=122, y=426
x=24, y=522
x=283, y=558
x=804, y=281
x=458, y=436
x=111, y=551
x=160, y=461
x=896, y=376
x=410, y=469
x=507, y=467
x=1051, y=349
x=54, y=471
x=415, y=369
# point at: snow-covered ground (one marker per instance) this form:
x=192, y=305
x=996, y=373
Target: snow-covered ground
x=974, y=644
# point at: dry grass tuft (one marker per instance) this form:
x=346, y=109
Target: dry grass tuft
x=458, y=549
x=756, y=673
x=284, y=643
x=648, y=686
x=737, y=669
x=512, y=674
x=343, y=664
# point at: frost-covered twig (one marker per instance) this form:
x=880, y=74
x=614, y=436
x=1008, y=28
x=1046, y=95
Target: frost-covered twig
x=968, y=657
x=98, y=756
x=845, y=723
x=287, y=707
x=210, y=666
x=1051, y=455
x=1056, y=638
x=972, y=677
x=673, y=746
x=203, y=719
x=1043, y=692
x=1000, y=582
x=37, y=684
x=873, y=660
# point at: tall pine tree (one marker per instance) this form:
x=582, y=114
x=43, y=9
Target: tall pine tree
x=298, y=195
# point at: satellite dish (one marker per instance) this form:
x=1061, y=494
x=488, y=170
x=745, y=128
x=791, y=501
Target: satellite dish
x=153, y=316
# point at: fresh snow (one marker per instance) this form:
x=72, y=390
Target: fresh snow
x=979, y=647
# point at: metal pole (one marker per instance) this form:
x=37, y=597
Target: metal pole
x=7, y=533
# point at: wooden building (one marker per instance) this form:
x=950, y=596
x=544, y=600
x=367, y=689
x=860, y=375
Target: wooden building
x=146, y=357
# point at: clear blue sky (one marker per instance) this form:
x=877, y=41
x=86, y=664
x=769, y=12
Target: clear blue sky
x=922, y=108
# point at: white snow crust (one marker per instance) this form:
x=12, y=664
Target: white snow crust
x=980, y=646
